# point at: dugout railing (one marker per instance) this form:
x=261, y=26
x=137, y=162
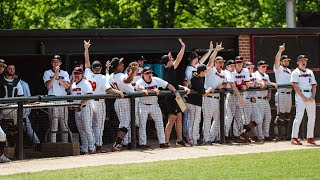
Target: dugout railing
x=34, y=102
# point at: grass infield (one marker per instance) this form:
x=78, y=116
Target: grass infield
x=298, y=164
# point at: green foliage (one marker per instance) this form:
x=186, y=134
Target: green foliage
x=60, y=14
x=299, y=164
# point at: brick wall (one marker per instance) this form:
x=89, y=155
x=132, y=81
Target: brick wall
x=244, y=46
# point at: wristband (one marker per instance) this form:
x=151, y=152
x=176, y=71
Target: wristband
x=57, y=78
x=314, y=97
x=176, y=92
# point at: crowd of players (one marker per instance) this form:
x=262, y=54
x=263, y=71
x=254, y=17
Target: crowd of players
x=247, y=117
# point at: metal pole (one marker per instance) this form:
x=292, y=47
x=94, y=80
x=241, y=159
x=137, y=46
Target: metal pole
x=291, y=13
x=20, y=130
x=222, y=101
x=133, y=123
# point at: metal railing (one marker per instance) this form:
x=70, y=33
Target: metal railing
x=22, y=102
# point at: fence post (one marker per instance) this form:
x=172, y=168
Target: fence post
x=133, y=123
x=222, y=101
x=20, y=130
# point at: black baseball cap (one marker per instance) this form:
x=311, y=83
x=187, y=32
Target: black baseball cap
x=141, y=58
x=193, y=55
x=302, y=56
x=164, y=59
x=146, y=69
x=219, y=58
x=78, y=63
x=231, y=61
x=201, y=67
x=115, y=62
x=260, y=63
x=96, y=64
x=56, y=57
x=238, y=58
x=283, y=57
x=248, y=63
x=78, y=70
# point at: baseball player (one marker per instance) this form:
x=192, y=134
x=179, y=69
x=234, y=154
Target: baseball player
x=194, y=103
x=3, y=66
x=100, y=85
x=237, y=78
x=251, y=112
x=149, y=106
x=175, y=115
x=122, y=82
x=263, y=98
x=283, y=99
x=57, y=82
x=304, y=84
x=215, y=78
x=84, y=113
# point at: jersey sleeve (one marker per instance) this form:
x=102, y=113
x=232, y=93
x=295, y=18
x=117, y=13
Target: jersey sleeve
x=294, y=77
x=230, y=77
x=267, y=77
x=46, y=76
x=88, y=74
x=247, y=76
x=20, y=90
x=139, y=84
x=122, y=77
x=66, y=77
x=87, y=88
x=105, y=83
x=160, y=82
x=188, y=74
x=277, y=70
x=258, y=76
x=313, y=79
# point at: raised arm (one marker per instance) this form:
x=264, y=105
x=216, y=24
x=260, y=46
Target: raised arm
x=278, y=56
x=180, y=55
x=86, y=46
x=214, y=54
x=206, y=55
x=133, y=68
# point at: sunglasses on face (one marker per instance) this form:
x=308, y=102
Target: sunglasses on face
x=77, y=74
x=263, y=66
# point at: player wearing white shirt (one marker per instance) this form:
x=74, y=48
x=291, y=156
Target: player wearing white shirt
x=238, y=78
x=251, y=116
x=57, y=82
x=304, y=84
x=149, y=106
x=283, y=98
x=100, y=85
x=84, y=114
x=263, y=98
x=122, y=82
x=215, y=78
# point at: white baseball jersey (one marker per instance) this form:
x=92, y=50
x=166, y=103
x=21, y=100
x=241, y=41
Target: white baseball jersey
x=304, y=79
x=229, y=77
x=251, y=93
x=214, y=78
x=262, y=77
x=117, y=82
x=98, y=82
x=282, y=74
x=241, y=77
x=188, y=72
x=154, y=84
x=56, y=88
x=81, y=88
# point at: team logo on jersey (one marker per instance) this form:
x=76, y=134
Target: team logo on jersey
x=221, y=76
x=152, y=87
x=285, y=71
x=93, y=85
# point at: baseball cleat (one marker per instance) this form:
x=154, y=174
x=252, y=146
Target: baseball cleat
x=4, y=159
x=295, y=141
x=311, y=141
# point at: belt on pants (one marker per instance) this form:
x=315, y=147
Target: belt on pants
x=285, y=92
x=98, y=99
x=261, y=97
x=147, y=104
x=214, y=97
x=305, y=90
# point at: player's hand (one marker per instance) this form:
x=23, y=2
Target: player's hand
x=157, y=91
x=134, y=66
x=145, y=91
x=181, y=42
x=219, y=47
x=56, y=71
x=187, y=90
x=305, y=99
x=86, y=44
x=211, y=46
x=121, y=94
x=275, y=85
x=108, y=64
x=244, y=87
x=282, y=47
x=311, y=99
x=243, y=102
x=261, y=85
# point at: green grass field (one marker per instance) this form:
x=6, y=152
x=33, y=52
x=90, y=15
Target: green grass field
x=299, y=164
